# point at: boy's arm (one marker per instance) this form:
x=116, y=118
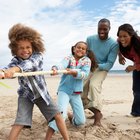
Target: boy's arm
x=8, y=73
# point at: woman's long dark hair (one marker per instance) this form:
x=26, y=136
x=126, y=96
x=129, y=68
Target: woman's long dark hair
x=90, y=55
x=135, y=39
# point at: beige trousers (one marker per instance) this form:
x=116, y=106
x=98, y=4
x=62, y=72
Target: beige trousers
x=91, y=95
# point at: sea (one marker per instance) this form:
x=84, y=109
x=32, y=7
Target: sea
x=119, y=72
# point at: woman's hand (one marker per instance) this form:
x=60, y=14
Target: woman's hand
x=130, y=68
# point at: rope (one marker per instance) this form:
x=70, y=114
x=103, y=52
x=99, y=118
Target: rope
x=37, y=73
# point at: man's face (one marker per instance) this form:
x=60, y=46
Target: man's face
x=103, y=30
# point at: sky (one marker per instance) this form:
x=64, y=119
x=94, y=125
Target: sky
x=62, y=23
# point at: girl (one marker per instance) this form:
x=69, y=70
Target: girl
x=78, y=66
x=27, y=47
x=129, y=43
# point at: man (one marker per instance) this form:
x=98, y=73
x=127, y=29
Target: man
x=105, y=49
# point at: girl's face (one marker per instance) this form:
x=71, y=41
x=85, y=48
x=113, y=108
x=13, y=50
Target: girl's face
x=80, y=50
x=124, y=38
x=24, y=49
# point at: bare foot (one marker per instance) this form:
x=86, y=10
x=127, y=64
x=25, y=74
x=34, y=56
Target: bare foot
x=97, y=124
x=98, y=116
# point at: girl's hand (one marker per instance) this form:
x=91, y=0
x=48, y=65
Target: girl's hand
x=130, y=68
x=54, y=69
x=71, y=72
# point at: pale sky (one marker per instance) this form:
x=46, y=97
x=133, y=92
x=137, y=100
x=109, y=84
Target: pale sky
x=62, y=23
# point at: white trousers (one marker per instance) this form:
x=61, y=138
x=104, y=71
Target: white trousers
x=91, y=95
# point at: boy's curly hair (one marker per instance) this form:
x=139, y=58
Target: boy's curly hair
x=21, y=32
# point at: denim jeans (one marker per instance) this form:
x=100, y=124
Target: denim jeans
x=136, y=93
x=76, y=105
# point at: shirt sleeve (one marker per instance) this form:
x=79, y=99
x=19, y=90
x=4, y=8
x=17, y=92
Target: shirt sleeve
x=13, y=63
x=137, y=62
x=111, y=59
x=64, y=63
x=84, y=71
x=138, y=67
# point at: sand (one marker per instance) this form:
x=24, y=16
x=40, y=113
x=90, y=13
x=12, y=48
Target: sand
x=117, y=122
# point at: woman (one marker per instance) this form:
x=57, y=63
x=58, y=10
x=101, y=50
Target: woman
x=129, y=44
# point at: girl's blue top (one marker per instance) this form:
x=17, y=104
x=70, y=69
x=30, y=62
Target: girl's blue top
x=70, y=84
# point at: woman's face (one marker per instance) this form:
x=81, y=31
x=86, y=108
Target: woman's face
x=124, y=38
x=24, y=49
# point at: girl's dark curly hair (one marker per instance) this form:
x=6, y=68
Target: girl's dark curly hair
x=21, y=32
x=90, y=54
x=135, y=39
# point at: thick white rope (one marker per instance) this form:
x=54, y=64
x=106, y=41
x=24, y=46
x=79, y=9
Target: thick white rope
x=37, y=73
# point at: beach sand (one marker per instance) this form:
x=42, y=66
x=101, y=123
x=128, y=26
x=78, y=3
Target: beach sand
x=117, y=122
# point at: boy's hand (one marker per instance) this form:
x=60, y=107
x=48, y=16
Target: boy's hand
x=9, y=73
x=2, y=76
